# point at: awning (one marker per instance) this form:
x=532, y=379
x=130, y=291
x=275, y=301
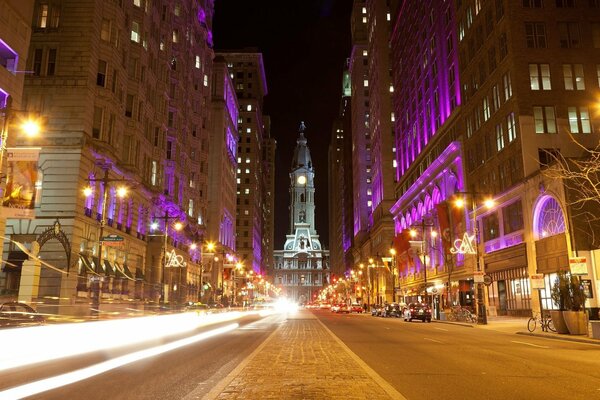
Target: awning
x=85, y=265
x=123, y=272
x=14, y=262
x=109, y=270
x=96, y=267
x=139, y=274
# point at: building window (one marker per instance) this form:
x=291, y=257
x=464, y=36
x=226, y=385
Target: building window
x=486, y=109
x=135, y=31
x=532, y=3
x=191, y=207
x=43, y=16
x=598, y=73
x=539, y=77
x=535, y=34
x=579, y=120
x=154, y=175
x=198, y=62
x=513, y=217
x=101, y=75
x=545, y=119
x=596, y=35
x=205, y=80
x=565, y=3
x=499, y=137
x=246, y=191
x=573, y=75
x=97, y=122
x=169, y=150
x=506, y=82
x=496, y=97
x=37, y=62
x=512, y=127
x=491, y=227
x=569, y=36
x=105, y=31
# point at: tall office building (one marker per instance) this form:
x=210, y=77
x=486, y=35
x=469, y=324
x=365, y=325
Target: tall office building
x=341, y=232
x=302, y=267
x=504, y=87
x=269, y=148
x=247, y=70
x=125, y=89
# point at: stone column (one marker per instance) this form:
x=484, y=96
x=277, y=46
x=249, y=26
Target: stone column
x=30, y=281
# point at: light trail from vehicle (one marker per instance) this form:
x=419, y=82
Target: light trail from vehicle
x=68, y=378
x=32, y=345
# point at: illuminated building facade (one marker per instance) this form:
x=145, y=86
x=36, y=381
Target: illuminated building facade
x=15, y=33
x=302, y=267
x=125, y=88
x=247, y=71
x=490, y=91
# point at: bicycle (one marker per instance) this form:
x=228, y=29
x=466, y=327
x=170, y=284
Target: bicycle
x=545, y=322
x=459, y=313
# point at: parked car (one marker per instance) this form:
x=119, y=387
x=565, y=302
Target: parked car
x=391, y=310
x=19, y=314
x=419, y=311
x=376, y=310
x=335, y=307
x=357, y=308
x=324, y=305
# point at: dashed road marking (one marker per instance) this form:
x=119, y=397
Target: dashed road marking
x=442, y=329
x=531, y=344
x=433, y=340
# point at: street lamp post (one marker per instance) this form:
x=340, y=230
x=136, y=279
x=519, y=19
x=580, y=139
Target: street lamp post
x=481, y=309
x=178, y=225
x=393, y=254
x=121, y=192
x=424, y=251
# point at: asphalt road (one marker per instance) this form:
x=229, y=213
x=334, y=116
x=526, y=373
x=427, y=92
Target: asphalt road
x=443, y=361
x=190, y=371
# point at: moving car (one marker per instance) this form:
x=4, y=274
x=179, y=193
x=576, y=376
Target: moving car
x=343, y=308
x=376, y=310
x=357, y=308
x=419, y=311
x=19, y=314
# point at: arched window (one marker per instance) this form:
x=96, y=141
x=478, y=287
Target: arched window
x=301, y=197
x=548, y=218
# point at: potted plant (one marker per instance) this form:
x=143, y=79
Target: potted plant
x=568, y=295
x=560, y=294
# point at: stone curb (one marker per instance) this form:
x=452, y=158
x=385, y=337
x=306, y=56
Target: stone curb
x=465, y=324
x=561, y=337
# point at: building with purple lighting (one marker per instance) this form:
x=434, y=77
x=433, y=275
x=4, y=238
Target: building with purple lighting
x=15, y=34
x=222, y=187
x=125, y=88
x=247, y=71
x=488, y=94
x=302, y=266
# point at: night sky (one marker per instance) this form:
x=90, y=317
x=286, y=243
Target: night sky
x=305, y=44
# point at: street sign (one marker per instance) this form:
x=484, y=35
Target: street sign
x=112, y=240
x=537, y=281
x=578, y=265
x=478, y=276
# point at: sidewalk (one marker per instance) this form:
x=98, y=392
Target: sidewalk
x=302, y=359
x=518, y=326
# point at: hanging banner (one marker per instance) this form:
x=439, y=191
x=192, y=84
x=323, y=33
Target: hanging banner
x=446, y=232
x=18, y=200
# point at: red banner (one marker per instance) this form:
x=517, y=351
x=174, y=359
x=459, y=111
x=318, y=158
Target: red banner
x=444, y=220
x=402, y=246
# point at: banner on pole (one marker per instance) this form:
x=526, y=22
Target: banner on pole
x=18, y=200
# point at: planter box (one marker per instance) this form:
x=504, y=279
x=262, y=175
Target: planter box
x=559, y=322
x=594, y=329
x=576, y=322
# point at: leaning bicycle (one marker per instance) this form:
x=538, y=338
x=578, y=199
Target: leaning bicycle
x=544, y=321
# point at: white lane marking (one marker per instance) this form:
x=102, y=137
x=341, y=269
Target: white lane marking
x=433, y=340
x=531, y=344
x=68, y=378
x=442, y=329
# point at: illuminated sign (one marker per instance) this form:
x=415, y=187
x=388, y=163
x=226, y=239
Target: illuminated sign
x=174, y=260
x=465, y=245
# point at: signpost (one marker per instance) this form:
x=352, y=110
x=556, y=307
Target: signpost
x=537, y=281
x=578, y=265
x=112, y=240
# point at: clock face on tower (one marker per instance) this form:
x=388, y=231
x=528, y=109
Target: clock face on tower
x=301, y=180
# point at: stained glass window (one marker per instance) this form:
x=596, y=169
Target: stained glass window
x=550, y=219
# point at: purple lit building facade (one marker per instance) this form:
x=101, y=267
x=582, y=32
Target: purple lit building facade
x=247, y=71
x=526, y=77
x=222, y=166
x=125, y=89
